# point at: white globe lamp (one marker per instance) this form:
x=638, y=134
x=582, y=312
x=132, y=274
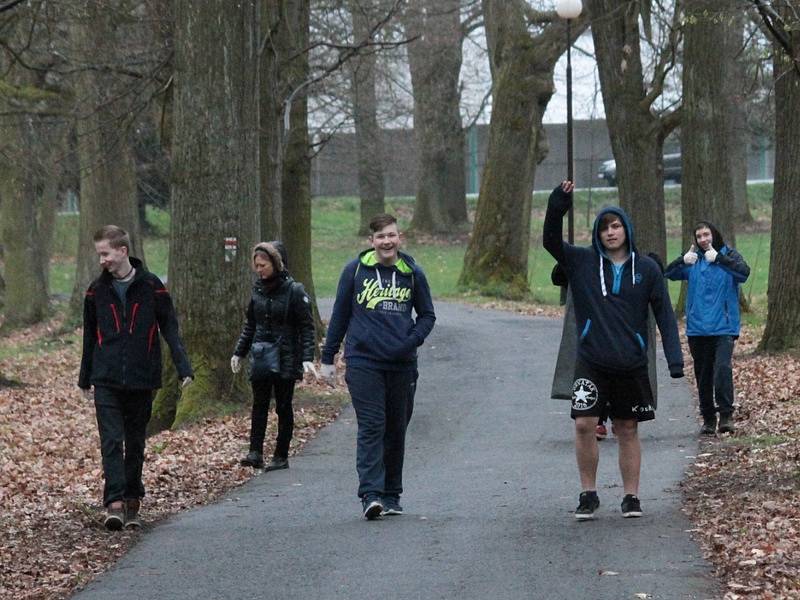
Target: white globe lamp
x=569, y=9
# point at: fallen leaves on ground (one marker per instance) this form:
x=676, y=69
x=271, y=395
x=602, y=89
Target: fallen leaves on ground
x=743, y=492
x=52, y=540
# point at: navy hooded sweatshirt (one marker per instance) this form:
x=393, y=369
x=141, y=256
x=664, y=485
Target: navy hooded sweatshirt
x=611, y=301
x=373, y=307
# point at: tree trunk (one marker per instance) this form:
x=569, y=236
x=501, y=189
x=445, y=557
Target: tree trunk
x=296, y=177
x=739, y=140
x=270, y=139
x=496, y=261
x=369, y=146
x=637, y=133
x=435, y=63
x=708, y=119
x=26, y=294
x=107, y=169
x=214, y=194
x=783, y=305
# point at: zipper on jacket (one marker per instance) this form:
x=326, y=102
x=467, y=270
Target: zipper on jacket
x=150, y=337
x=133, y=317
x=116, y=317
x=586, y=328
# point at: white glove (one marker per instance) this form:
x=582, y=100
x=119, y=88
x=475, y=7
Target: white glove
x=186, y=381
x=236, y=363
x=327, y=372
x=711, y=255
x=690, y=257
x=308, y=367
x=87, y=394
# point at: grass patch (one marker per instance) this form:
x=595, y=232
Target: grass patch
x=335, y=242
x=759, y=441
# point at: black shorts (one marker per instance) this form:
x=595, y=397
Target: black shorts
x=619, y=395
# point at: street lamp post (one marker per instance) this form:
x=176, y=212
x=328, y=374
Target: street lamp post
x=569, y=9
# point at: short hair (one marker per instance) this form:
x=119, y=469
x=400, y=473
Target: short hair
x=116, y=236
x=607, y=219
x=380, y=221
x=271, y=252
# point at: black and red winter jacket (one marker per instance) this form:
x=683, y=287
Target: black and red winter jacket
x=121, y=348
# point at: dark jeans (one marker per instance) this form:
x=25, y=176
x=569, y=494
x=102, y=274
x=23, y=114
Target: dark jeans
x=122, y=417
x=712, y=368
x=383, y=401
x=262, y=392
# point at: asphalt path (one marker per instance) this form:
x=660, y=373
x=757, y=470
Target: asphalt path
x=490, y=487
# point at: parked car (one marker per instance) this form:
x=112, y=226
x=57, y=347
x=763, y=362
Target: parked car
x=672, y=169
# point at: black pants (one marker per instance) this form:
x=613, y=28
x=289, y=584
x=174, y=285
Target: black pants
x=712, y=357
x=122, y=417
x=384, y=401
x=262, y=392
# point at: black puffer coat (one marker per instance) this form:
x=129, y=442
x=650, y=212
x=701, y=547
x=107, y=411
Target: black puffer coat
x=265, y=322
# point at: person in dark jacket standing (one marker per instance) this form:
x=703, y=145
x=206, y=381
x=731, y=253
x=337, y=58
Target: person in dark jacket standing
x=612, y=287
x=123, y=312
x=713, y=272
x=279, y=312
x=374, y=299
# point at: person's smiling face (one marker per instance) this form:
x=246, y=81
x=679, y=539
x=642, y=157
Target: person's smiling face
x=386, y=244
x=113, y=260
x=704, y=238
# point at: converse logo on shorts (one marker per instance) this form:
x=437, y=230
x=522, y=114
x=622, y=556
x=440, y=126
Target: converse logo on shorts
x=584, y=394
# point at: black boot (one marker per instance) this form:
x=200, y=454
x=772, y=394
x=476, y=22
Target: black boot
x=709, y=425
x=726, y=424
x=277, y=462
x=253, y=459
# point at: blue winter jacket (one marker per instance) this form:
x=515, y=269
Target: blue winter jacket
x=611, y=302
x=373, y=307
x=712, y=297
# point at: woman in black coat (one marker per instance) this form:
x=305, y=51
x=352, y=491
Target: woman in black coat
x=278, y=319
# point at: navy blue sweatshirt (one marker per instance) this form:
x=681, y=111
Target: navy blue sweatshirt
x=611, y=301
x=373, y=307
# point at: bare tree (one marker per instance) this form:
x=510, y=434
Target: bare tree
x=637, y=130
x=32, y=106
x=782, y=20
x=214, y=198
x=434, y=57
x=522, y=65
x=708, y=117
x=369, y=146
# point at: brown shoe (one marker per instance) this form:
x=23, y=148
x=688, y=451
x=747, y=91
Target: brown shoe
x=115, y=516
x=132, y=514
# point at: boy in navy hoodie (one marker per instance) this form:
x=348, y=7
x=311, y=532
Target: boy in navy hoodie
x=612, y=287
x=373, y=306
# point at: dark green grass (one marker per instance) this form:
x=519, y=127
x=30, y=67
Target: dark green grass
x=335, y=242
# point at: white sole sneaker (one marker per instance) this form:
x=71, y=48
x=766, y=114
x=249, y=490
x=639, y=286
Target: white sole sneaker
x=373, y=510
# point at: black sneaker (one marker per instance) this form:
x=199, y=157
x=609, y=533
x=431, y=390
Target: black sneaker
x=372, y=507
x=726, y=424
x=277, y=462
x=709, y=425
x=631, y=506
x=253, y=459
x=391, y=505
x=588, y=503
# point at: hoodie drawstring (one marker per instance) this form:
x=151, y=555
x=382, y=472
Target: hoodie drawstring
x=394, y=280
x=603, y=275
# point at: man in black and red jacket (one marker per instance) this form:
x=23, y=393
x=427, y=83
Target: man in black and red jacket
x=123, y=312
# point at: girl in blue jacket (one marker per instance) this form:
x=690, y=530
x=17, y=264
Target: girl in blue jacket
x=713, y=272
